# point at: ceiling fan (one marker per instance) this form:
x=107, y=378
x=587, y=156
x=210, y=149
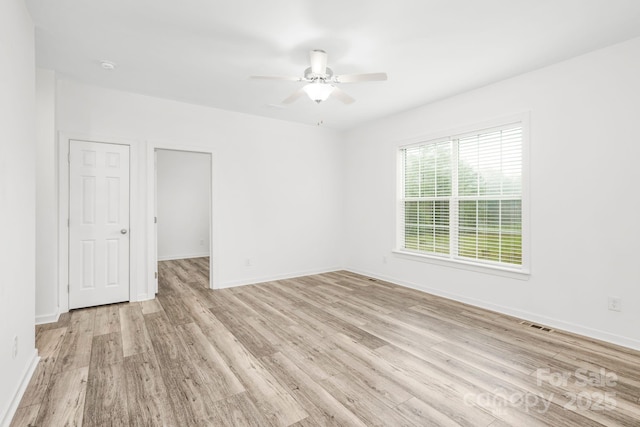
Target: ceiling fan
x=321, y=82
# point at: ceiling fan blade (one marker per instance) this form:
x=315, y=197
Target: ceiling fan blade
x=354, y=78
x=287, y=78
x=294, y=96
x=342, y=96
x=318, y=61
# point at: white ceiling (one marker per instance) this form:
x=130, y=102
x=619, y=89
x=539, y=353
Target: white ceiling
x=203, y=51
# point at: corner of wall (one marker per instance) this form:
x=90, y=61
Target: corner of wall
x=24, y=382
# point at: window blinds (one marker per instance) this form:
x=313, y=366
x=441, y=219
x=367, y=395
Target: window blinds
x=462, y=197
x=427, y=197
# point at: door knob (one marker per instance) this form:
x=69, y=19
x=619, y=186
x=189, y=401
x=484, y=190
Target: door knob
x=123, y=231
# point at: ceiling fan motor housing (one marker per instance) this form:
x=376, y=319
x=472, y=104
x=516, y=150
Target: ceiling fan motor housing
x=311, y=77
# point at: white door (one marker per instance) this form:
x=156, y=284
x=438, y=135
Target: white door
x=98, y=223
x=155, y=218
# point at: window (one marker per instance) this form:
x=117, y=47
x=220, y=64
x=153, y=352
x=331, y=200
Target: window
x=461, y=197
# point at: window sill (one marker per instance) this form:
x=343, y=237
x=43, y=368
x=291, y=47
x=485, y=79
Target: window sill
x=464, y=265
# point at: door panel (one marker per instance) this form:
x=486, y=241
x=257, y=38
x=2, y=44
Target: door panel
x=155, y=218
x=98, y=223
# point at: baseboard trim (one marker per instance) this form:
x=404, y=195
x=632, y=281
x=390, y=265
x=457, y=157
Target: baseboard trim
x=15, y=402
x=524, y=315
x=256, y=280
x=48, y=318
x=187, y=256
x=144, y=297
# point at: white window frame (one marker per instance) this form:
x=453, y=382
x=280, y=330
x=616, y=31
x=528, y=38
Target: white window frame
x=522, y=271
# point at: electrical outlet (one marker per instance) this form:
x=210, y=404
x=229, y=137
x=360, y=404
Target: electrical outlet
x=248, y=262
x=384, y=259
x=14, y=350
x=201, y=242
x=615, y=304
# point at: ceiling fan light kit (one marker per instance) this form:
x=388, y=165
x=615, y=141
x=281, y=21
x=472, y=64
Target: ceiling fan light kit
x=318, y=92
x=322, y=82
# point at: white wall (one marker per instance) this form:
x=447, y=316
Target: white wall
x=183, y=201
x=17, y=204
x=46, y=199
x=584, y=201
x=277, y=185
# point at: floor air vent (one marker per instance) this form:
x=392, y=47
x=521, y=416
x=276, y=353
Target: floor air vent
x=534, y=326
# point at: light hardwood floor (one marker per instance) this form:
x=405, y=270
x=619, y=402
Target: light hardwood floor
x=332, y=349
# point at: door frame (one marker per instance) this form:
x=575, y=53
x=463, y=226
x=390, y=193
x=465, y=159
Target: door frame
x=135, y=238
x=152, y=146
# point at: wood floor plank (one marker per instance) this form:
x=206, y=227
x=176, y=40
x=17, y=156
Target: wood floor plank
x=436, y=388
x=233, y=304
x=106, y=350
x=106, y=398
x=168, y=349
x=307, y=422
x=507, y=336
x=385, y=367
x=362, y=308
x=190, y=397
x=316, y=319
x=237, y=411
x=76, y=348
x=329, y=349
x=522, y=358
x=143, y=377
x=49, y=343
x=281, y=293
x=400, y=337
x=422, y=414
x=500, y=423
x=107, y=319
x=25, y=416
x=372, y=380
x=307, y=348
x=319, y=403
x=267, y=307
x=265, y=327
x=135, y=338
x=208, y=361
x=150, y=306
x=151, y=411
x=258, y=345
x=191, y=309
x=307, y=287
x=363, y=404
x=175, y=308
x=277, y=404
x=315, y=360
x=63, y=404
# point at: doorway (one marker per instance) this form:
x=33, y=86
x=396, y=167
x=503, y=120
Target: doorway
x=182, y=220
